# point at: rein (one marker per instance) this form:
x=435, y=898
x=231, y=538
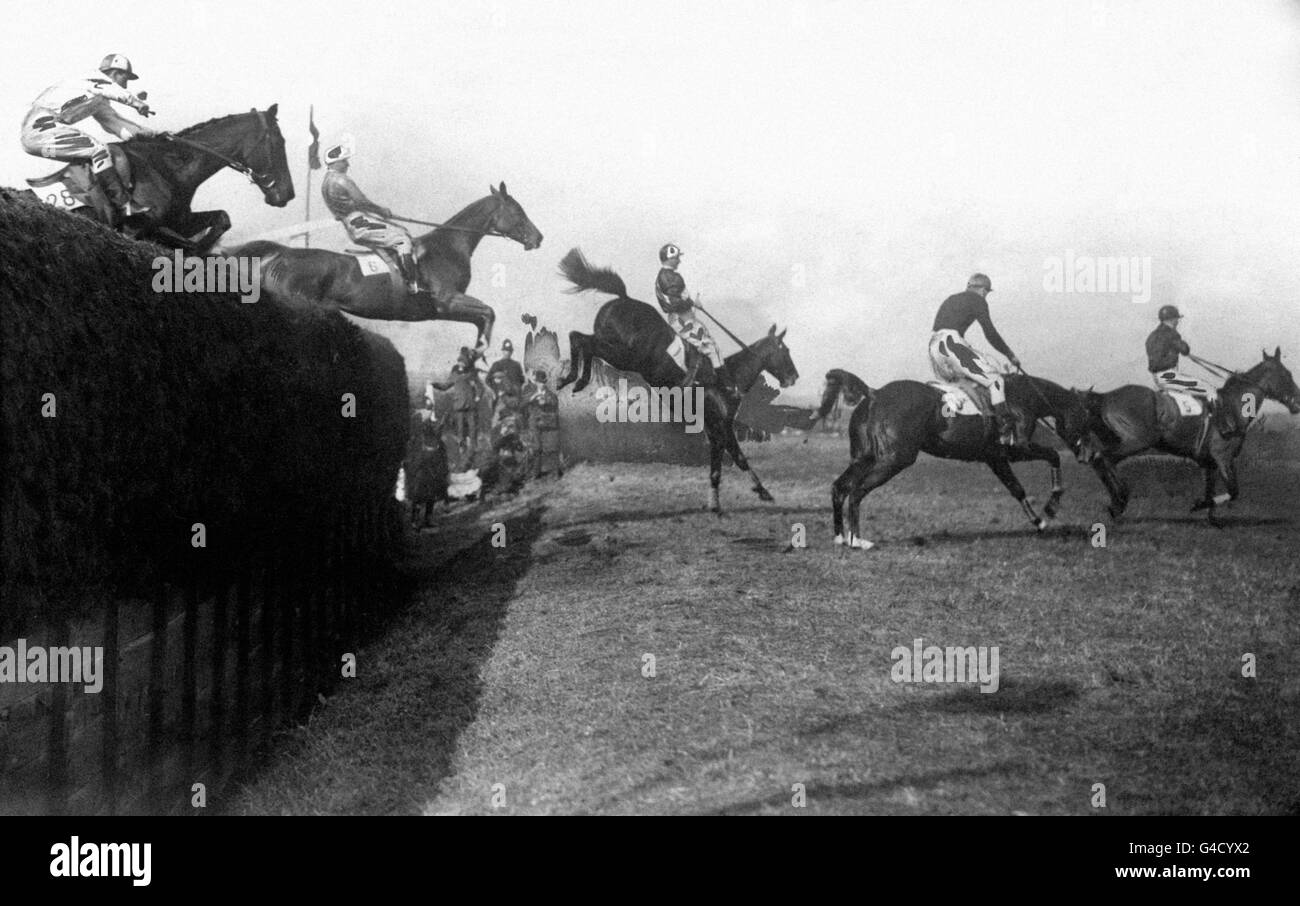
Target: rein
x=1046, y=402
x=253, y=175
x=443, y=226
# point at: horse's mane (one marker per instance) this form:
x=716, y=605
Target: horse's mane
x=155, y=141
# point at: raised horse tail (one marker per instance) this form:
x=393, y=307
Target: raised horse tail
x=840, y=381
x=575, y=268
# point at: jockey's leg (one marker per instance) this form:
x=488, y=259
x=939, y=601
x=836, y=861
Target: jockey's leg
x=958, y=358
x=44, y=136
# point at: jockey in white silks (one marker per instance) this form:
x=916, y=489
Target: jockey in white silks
x=367, y=223
x=48, y=131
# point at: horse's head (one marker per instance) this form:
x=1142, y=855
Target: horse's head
x=510, y=220
x=1276, y=381
x=262, y=151
x=775, y=357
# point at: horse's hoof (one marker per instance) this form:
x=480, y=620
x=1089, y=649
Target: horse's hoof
x=1042, y=525
x=764, y=495
x=1201, y=505
x=861, y=544
x=839, y=539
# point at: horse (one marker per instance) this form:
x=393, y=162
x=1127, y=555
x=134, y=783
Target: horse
x=317, y=278
x=895, y=423
x=1132, y=419
x=632, y=336
x=165, y=171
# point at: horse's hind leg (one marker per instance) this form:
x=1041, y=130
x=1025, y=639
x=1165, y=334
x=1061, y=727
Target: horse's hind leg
x=577, y=353
x=1114, y=485
x=874, y=473
x=840, y=489
x=1001, y=467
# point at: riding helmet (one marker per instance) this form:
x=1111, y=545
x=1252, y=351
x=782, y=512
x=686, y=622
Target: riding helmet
x=669, y=251
x=117, y=61
x=1167, y=312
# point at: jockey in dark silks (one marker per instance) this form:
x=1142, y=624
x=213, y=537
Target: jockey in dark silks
x=670, y=291
x=48, y=131
x=367, y=223
x=953, y=359
x=1164, y=346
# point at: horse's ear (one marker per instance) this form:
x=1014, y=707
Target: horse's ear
x=1277, y=354
x=503, y=188
x=772, y=331
x=272, y=110
x=781, y=335
x=492, y=189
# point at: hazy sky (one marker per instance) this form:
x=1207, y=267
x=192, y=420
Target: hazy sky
x=837, y=167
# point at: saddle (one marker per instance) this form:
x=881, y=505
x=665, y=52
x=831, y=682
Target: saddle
x=959, y=399
x=74, y=186
x=380, y=263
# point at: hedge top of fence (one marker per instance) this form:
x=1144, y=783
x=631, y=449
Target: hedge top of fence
x=128, y=415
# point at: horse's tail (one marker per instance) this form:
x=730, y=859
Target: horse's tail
x=575, y=268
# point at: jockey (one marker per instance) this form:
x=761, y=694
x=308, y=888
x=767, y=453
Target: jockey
x=367, y=223
x=1164, y=345
x=48, y=131
x=954, y=360
x=670, y=290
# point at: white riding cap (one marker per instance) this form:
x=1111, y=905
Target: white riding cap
x=117, y=61
x=340, y=150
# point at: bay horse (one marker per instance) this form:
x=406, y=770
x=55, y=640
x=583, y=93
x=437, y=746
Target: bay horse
x=164, y=172
x=318, y=278
x=632, y=336
x=1133, y=419
x=892, y=425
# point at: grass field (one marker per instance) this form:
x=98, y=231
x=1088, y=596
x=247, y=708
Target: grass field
x=518, y=674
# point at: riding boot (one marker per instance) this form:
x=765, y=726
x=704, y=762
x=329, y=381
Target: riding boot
x=119, y=195
x=406, y=263
x=1006, y=424
x=693, y=360
x=726, y=382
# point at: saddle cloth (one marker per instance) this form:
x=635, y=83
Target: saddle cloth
x=72, y=186
x=378, y=264
x=677, y=351
x=960, y=400
x=1188, y=403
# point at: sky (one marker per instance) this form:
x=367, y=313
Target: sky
x=837, y=168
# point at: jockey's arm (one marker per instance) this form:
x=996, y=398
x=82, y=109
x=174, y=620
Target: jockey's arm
x=995, y=339
x=120, y=126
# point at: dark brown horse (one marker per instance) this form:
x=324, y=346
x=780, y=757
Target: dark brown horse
x=899, y=421
x=1133, y=419
x=166, y=171
x=632, y=336
x=317, y=278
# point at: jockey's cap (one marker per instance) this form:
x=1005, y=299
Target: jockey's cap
x=340, y=150
x=117, y=61
x=507, y=346
x=669, y=251
x=1166, y=312
x=978, y=281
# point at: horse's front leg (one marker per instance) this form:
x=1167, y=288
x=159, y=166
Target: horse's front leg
x=1041, y=453
x=1001, y=467
x=468, y=310
x=738, y=457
